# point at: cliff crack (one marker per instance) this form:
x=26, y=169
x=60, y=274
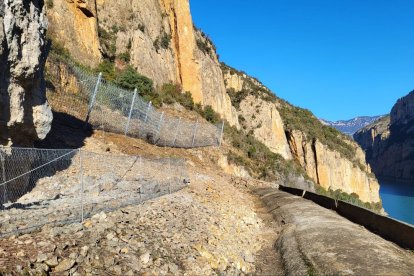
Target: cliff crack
x=86, y=12
x=177, y=44
x=315, y=157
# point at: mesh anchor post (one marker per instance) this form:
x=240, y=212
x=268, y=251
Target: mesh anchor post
x=130, y=112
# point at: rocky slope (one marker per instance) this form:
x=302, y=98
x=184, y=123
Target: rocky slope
x=329, y=158
x=25, y=114
x=351, y=126
x=389, y=141
x=156, y=37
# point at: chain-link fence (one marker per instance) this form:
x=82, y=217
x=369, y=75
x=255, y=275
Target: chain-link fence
x=40, y=187
x=110, y=108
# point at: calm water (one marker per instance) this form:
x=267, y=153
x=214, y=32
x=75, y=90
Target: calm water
x=398, y=200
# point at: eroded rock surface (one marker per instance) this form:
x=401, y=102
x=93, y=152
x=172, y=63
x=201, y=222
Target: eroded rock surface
x=25, y=114
x=330, y=170
x=156, y=37
x=263, y=118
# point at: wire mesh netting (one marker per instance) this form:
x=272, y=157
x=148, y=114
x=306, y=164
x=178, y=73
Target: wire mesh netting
x=40, y=187
x=110, y=108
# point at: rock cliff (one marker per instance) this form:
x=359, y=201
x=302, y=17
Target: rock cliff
x=328, y=157
x=156, y=37
x=263, y=119
x=389, y=142
x=25, y=114
x=330, y=170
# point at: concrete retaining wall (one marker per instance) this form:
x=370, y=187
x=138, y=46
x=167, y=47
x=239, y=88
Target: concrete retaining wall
x=386, y=227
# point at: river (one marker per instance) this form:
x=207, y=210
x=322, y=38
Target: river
x=398, y=200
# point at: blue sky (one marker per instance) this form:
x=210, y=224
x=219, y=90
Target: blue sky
x=338, y=58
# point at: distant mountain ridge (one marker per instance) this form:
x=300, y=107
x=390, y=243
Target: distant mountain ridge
x=351, y=126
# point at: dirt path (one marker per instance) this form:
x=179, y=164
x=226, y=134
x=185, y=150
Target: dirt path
x=269, y=260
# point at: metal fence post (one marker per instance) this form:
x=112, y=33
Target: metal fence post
x=194, y=133
x=221, y=135
x=81, y=184
x=159, y=127
x=3, y=171
x=148, y=109
x=130, y=112
x=92, y=102
x=176, y=132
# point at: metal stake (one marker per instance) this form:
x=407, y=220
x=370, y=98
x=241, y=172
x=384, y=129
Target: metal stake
x=92, y=103
x=130, y=112
x=159, y=127
x=3, y=169
x=221, y=135
x=176, y=133
x=148, y=109
x=194, y=134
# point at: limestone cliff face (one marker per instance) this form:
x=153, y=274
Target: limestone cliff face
x=260, y=113
x=389, y=142
x=136, y=28
x=330, y=170
x=257, y=114
x=73, y=23
x=157, y=36
x=264, y=120
x=25, y=114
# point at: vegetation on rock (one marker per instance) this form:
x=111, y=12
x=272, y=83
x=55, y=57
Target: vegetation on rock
x=350, y=198
x=257, y=158
x=295, y=118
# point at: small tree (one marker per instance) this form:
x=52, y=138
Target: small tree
x=130, y=79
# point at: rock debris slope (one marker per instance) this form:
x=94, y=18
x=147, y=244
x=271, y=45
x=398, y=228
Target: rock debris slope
x=25, y=114
x=212, y=227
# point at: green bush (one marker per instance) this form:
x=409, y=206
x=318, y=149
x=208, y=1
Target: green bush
x=203, y=46
x=107, y=69
x=210, y=115
x=108, y=40
x=165, y=41
x=125, y=57
x=162, y=41
x=131, y=79
x=350, y=198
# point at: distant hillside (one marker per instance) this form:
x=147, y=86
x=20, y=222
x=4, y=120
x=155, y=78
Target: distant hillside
x=351, y=126
x=389, y=142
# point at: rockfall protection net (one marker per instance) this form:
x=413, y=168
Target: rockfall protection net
x=110, y=108
x=39, y=186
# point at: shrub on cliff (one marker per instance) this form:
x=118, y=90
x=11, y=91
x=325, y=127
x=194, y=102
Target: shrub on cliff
x=131, y=79
x=257, y=158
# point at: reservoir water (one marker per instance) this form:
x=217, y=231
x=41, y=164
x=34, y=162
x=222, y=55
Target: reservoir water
x=398, y=200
